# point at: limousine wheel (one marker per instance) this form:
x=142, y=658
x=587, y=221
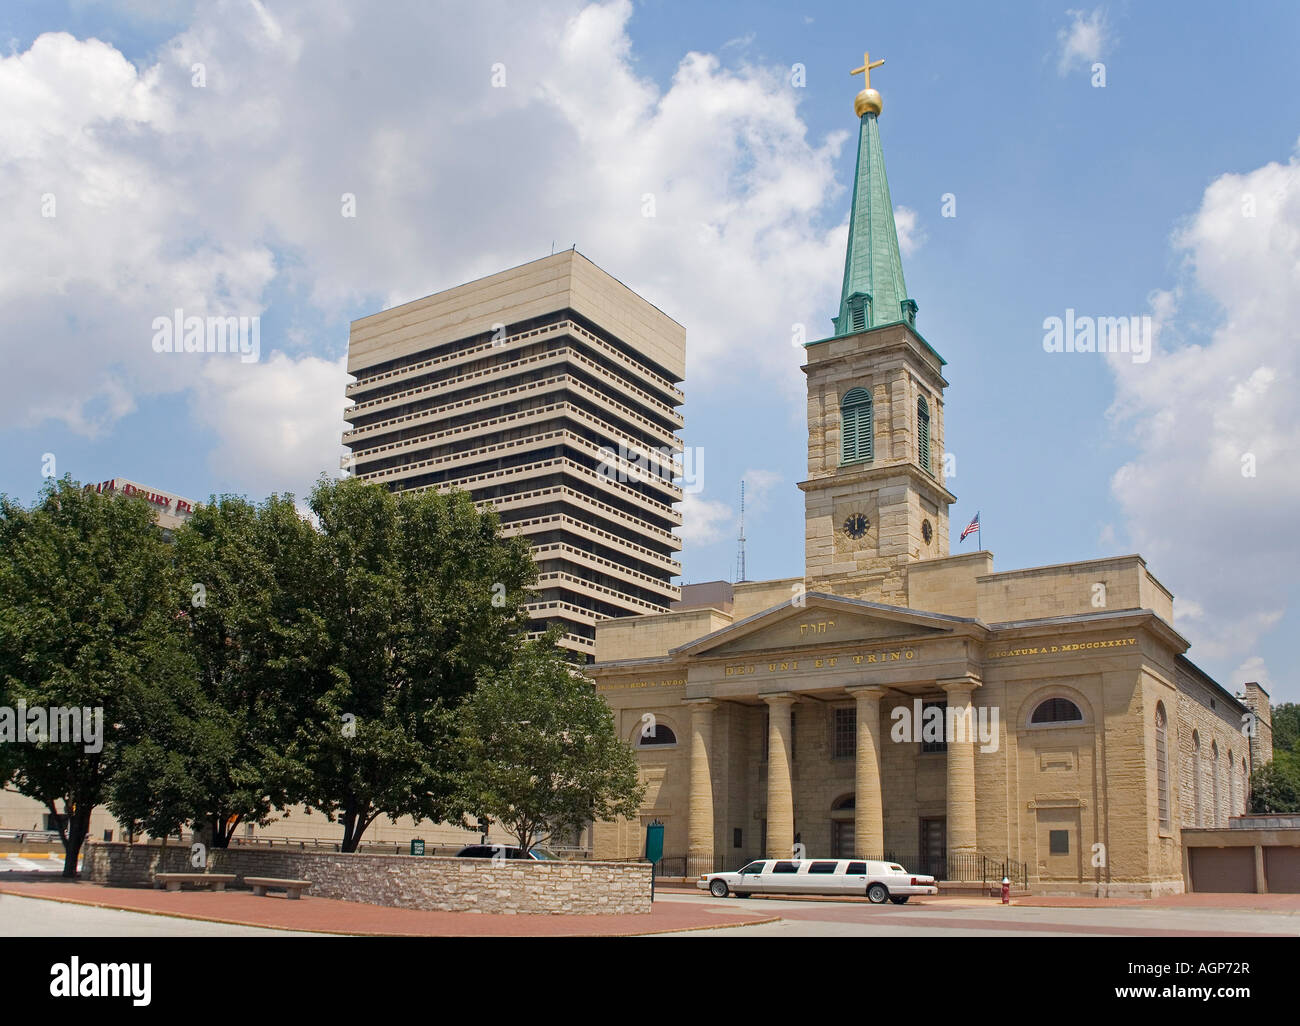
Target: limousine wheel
x=718, y=888
x=900, y=901
x=877, y=894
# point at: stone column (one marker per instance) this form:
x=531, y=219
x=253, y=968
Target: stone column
x=961, y=766
x=869, y=817
x=780, y=797
x=699, y=840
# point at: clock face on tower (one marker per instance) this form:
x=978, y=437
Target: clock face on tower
x=855, y=525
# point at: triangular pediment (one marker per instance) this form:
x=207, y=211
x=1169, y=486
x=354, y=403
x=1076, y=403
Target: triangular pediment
x=821, y=620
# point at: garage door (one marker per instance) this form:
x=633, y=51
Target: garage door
x=1226, y=870
x=1282, y=868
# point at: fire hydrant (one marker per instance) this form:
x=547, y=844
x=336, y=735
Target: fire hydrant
x=1006, y=891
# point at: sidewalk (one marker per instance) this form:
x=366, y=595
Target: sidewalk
x=1247, y=902
x=1254, y=902
x=326, y=915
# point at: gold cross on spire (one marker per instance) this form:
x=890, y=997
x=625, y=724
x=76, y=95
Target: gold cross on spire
x=865, y=70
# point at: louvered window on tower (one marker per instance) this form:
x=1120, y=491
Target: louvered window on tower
x=855, y=426
x=923, y=434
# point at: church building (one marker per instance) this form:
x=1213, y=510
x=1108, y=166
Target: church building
x=900, y=702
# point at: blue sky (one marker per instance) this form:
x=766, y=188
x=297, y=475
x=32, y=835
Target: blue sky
x=1128, y=199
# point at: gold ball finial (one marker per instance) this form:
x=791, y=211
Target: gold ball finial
x=868, y=102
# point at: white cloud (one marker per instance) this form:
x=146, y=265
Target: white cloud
x=1211, y=494
x=758, y=489
x=704, y=521
x=1253, y=670
x=227, y=198
x=910, y=233
x=280, y=421
x=1083, y=41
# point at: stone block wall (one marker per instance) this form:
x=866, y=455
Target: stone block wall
x=1213, y=755
x=404, y=881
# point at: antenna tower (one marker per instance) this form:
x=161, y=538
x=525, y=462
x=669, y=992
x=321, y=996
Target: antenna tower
x=740, y=550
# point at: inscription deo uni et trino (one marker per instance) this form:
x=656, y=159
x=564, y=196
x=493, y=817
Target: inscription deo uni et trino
x=826, y=662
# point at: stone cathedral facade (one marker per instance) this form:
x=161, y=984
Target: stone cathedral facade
x=900, y=702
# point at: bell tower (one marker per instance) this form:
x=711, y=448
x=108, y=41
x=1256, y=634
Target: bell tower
x=874, y=499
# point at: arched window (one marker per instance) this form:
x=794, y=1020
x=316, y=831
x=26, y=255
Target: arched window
x=1214, y=783
x=1232, y=786
x=1056, y=710
x=855, y=426
x=923, y=434
x=656, y=736
x=1162, y=764
x=1197, y=811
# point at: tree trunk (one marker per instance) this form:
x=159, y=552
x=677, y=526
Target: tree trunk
x=355, y=821
x=222, y=831
x=78, y=828
x=349, y=824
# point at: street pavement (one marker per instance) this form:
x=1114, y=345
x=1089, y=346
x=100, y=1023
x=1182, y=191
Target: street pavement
x=37, y=862
x=35, y=917
x=977, y=917
x=36, y=904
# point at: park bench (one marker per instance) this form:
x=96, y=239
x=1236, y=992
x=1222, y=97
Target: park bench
x=173, y=881
x=262, y=884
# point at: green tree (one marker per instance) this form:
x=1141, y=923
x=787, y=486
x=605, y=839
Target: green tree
x=1286, y=727
x=1275, y=786
x=250, y=575
x=87, y=620
x=414, y=594
x=540, y=752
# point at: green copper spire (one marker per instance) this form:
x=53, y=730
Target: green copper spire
x=874, y=292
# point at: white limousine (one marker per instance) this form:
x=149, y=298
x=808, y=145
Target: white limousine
x=879, y=881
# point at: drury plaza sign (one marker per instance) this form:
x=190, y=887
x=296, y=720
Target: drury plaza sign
x=171, y=503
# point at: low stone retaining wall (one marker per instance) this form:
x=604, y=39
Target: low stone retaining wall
x=404, y=881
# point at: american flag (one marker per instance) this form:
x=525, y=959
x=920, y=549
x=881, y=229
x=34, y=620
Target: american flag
x=973, y=526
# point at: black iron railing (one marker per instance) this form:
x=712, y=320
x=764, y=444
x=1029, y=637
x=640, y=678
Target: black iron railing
x=696, y=865
x=964, y=867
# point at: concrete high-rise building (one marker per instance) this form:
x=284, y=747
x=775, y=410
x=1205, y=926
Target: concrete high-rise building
x=548, y=391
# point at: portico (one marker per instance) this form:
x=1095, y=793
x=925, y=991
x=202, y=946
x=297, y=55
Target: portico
x=822, y=656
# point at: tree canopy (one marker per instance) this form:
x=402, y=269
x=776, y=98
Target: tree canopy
x=539, y=751
x=87, y=622
x=414, y=594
